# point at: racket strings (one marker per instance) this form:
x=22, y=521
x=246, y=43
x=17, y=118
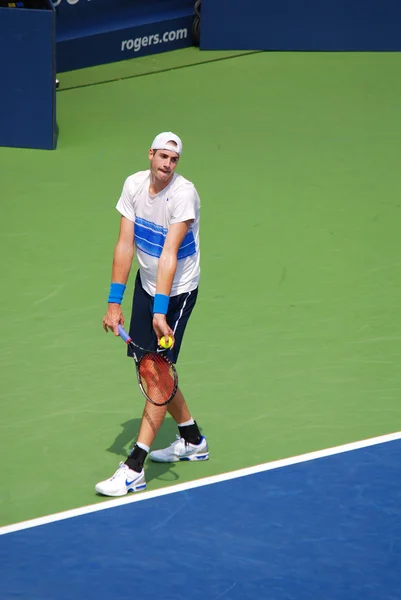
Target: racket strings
x=157, y=378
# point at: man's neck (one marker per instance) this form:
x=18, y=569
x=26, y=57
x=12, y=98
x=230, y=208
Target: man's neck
x=156, y=186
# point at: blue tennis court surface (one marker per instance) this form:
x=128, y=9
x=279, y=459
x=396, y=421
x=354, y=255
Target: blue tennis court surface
x=324, y=529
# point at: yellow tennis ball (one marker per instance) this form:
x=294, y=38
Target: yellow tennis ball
x=166, y=343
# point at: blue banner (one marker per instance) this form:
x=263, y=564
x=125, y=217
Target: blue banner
x=130, y=42
x=93, y=32
x=321, y=25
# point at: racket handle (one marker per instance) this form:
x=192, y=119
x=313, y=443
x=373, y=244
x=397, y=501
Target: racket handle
x=123, y=334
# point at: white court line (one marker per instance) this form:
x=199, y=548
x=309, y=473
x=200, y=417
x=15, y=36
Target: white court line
x=139, y=497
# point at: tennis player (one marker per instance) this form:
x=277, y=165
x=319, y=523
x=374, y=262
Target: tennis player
x=160, y=221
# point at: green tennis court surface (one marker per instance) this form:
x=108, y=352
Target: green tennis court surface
x=296, y=340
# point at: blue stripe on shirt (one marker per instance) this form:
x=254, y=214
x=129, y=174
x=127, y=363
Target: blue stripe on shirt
x=150, y=239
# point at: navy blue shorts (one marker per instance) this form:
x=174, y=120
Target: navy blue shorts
x=141, y=330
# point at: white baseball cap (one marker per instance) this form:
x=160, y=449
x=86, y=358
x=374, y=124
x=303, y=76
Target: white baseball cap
x=161, y=142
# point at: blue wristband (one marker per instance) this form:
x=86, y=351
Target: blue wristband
x=160, y=304
x=116, y=293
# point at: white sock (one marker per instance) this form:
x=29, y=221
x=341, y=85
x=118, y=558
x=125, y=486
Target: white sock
x=190, y=422
x=143, y=446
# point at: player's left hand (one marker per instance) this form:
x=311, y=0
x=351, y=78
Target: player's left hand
x=161, y=328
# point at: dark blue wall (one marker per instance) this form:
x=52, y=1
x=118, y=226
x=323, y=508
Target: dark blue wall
x=347, y=25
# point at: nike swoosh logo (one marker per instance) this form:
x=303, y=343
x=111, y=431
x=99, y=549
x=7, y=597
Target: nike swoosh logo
x=128, y=483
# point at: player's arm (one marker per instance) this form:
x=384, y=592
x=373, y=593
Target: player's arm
x=166, y=272
x=122, y=262
x=123, y=252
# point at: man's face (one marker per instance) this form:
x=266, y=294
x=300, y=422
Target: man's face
x=163, y=163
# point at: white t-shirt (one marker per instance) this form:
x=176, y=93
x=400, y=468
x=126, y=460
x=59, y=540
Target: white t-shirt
x=152, y=217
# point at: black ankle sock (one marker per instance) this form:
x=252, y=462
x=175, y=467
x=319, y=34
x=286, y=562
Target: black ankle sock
x=190, y=433
x=136, y=459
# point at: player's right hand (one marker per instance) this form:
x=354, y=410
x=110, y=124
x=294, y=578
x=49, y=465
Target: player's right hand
x=113, y=318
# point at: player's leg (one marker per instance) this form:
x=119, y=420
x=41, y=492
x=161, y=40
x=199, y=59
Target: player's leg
x=178, y=408
x=190, y=445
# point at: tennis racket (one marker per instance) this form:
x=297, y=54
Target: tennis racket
x=157, y=375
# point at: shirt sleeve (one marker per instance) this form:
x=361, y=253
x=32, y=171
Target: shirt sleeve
x=185, y=205
x=126, y=204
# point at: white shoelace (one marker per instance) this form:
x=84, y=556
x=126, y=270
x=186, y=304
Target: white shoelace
x=121, y=468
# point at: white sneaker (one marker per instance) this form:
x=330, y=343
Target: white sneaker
x=181, y=450
x=123, y=481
